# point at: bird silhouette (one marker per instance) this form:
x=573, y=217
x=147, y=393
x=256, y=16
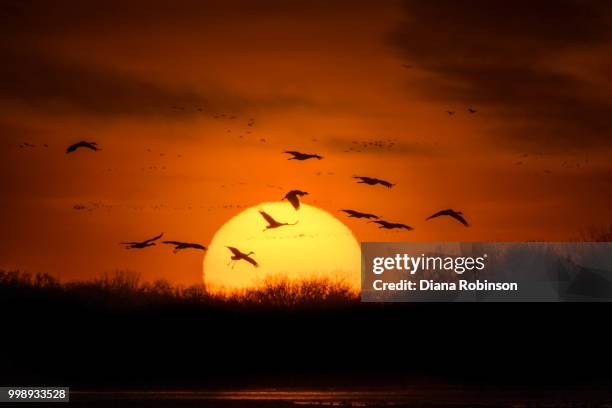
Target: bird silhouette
x=450, y=213
x=302, y=156
x=141, y=244
x=89, y=145
x=357, y=214
x=450, y=113
x=391, y=225
x=472, y=110
x=293, y=197
x=241, y=256
x=373, y=181
x=272, y=223
x=178, y=245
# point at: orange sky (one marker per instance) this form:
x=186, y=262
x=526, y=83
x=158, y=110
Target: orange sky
x=315, y=76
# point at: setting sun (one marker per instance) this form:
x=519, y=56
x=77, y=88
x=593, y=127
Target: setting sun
x=319, y=245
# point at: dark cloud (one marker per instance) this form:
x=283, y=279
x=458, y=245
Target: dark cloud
x=508, y=57
x=50, y=83
x=37, y=75
x=33, y=75
x=60, y=85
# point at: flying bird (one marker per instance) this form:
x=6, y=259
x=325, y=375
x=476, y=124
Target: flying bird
x=357, y=214
x=89, y=145
x=451, y=213
x=241, y=256
x=141, y=244
x=450, y=113
x=294, y=197
x=302, y=156
x=391, y=225
x=178, y=245
x=471, y=110
x=373, y=181
x=272, y=223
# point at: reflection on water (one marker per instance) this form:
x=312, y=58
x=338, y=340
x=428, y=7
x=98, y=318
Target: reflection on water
x=423, y=397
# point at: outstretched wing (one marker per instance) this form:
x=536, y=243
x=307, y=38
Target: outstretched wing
x=438, y=214
x=75, y=146
x=267, y=217
x=294, y=200
x=361, y=215
x=173, y=242
x=385, y=183
x=459, y=218
x=293, y=153
x=369, y=180
x=235, y=251
x=251, y=261
x=154, y=238
x=129, y=243
x=404, y=226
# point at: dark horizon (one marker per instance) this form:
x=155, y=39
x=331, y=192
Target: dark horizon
x=116, y=337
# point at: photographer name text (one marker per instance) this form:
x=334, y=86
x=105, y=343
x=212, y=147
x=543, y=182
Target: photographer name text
x=412, y=265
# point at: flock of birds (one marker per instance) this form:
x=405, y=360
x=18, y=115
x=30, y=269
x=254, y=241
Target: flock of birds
x=178, y=245
x=237, y=255
x=293, y=197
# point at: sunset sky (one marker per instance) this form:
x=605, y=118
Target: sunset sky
x=315, y=76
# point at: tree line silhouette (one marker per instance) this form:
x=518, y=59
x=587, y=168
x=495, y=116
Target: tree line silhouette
x=125, y=290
